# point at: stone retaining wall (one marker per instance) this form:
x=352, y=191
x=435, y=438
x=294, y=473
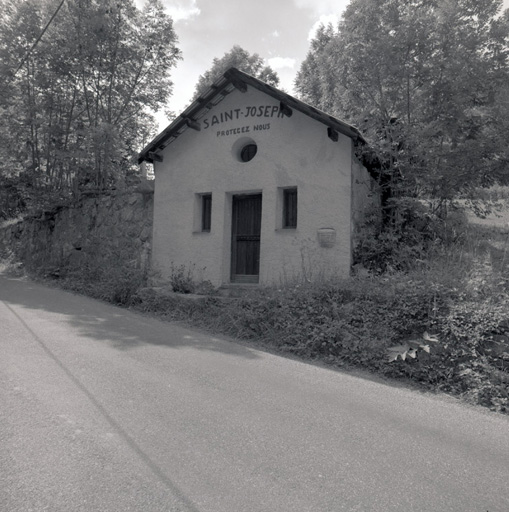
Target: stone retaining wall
x=110, y=227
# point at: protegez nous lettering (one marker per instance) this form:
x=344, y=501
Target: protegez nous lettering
x=243, y=129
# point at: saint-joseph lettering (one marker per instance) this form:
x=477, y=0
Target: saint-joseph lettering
x=237, y=113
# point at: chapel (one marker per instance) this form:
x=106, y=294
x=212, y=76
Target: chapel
x=255, y=187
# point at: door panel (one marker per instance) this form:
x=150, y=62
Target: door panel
x=246, y=228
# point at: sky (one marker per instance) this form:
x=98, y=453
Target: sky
x=278, y=30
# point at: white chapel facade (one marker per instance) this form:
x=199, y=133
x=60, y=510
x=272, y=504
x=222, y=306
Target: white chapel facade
x=255, y=186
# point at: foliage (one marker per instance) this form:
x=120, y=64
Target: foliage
x=237, y=57
x=105, y=273
x=117, y=285
x=426, y=83
x=182, y=278
x=78, y=109
x=12, y=199
x=416, y=230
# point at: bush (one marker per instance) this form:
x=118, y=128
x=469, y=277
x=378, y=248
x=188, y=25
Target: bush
x=410, y=238
x=103, y=272
x=182, y=278
x=116, y=284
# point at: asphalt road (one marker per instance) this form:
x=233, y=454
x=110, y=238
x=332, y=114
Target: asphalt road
x=105, y=410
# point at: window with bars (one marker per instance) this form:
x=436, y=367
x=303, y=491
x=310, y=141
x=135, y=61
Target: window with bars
x=290, y=208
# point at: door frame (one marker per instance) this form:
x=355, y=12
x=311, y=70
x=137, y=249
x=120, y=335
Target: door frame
x=243, y=278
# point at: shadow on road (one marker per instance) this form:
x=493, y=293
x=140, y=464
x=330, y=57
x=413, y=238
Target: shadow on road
x=122, y=329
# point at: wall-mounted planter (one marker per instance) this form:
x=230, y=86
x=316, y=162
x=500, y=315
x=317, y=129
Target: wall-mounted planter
x=327, y=237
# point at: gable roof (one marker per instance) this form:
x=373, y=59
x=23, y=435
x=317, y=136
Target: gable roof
x=227, y=83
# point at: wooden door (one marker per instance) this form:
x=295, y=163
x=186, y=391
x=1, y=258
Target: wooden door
x=246, y=227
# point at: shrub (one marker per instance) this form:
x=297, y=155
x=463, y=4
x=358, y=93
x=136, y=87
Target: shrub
x=410, y=238
x=104, y=272
x=181, y=278
x=117, y=283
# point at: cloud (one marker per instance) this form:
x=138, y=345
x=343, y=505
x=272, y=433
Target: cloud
x=324, y=19
x=181, y=9
x=281, y=62
x=320, y=7
x=275, y=33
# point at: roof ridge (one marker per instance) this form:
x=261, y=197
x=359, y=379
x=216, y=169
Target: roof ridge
x=232, y=79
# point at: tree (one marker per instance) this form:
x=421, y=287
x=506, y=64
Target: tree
x=315, y=82
x=423, y=81
x=241, y=59
x=76, y=111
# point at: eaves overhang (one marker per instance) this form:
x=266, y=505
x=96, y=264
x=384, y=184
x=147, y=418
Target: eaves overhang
x=227, y=83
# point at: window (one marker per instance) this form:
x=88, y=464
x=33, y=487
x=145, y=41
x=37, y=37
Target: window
x=202, y=212
x=206, y=211
x=248, y=152
x=289, y=208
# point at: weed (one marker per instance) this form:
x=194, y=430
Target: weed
x=182, y=278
